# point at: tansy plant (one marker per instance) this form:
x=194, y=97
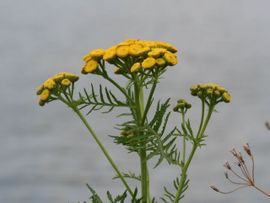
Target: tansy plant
x=141, y=63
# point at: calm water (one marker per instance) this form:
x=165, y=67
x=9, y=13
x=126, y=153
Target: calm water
x=46, y=154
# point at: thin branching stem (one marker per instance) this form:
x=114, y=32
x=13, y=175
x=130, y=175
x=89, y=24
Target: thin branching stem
x=103, y=149
x=73, y=106
x=253, y=168
x=149, y=101
x=184, y=138
x=262, y=191
x=202, y=116
x=237, y=183
x=238, y=175
x=184, y=169
x=238, y=188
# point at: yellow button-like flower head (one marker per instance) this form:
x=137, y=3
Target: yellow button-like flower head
x=58, y=77
x=160, y=61
x=122, y=51
x=72, y=77
x=148, y=63
x=226, y=97
x=170, y=58
x=97, y=54
x=156, y=52
x=49, y=84
x=66, y=82
x=87, y=57
x=135, y=67
x=45, y=94
x=167, y=46
x=90, y=67
x=109, y=54
x=135, y=49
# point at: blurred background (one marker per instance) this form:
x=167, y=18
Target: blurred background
x=46, y=154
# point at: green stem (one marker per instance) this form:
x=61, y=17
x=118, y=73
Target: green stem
x=210, y=111
x=144, y=177
x=149, y=101
x=184, y=139
x=92, y=132
x=203, y=126
x=202, y=117
x=139, y=100
x=184, y=175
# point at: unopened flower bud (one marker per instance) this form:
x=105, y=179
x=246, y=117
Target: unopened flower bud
x=175, y=109
x=209, y=92
x=188, y=106
x=217, y=93
x=226, y=97
x=200, y=93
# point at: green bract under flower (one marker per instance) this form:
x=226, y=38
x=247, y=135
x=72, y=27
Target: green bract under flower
x=52, y=86
x=211, y=91
x=147, y=55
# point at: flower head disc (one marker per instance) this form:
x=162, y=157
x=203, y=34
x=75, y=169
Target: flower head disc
x=122, y=51
x=90, y=67
x=148, y=63
x=44, y=95
x=65, y=82
x=160, y=61
x=135, y=49
x=49, y=84
x=170, y=58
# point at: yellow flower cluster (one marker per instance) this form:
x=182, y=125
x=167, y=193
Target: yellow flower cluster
x=132, y=55
x=181, y=105
x=62, y=79
x=212, y=91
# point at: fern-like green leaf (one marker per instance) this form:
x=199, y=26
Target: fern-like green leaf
x=97, y=100
x=94, y=197
x=129, y=175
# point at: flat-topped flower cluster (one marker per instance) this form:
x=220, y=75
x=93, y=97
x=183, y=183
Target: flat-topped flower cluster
x=131, y=56
x=54, y=84
x=211, y=91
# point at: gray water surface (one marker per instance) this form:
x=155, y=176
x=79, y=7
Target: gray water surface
x=46, y=154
